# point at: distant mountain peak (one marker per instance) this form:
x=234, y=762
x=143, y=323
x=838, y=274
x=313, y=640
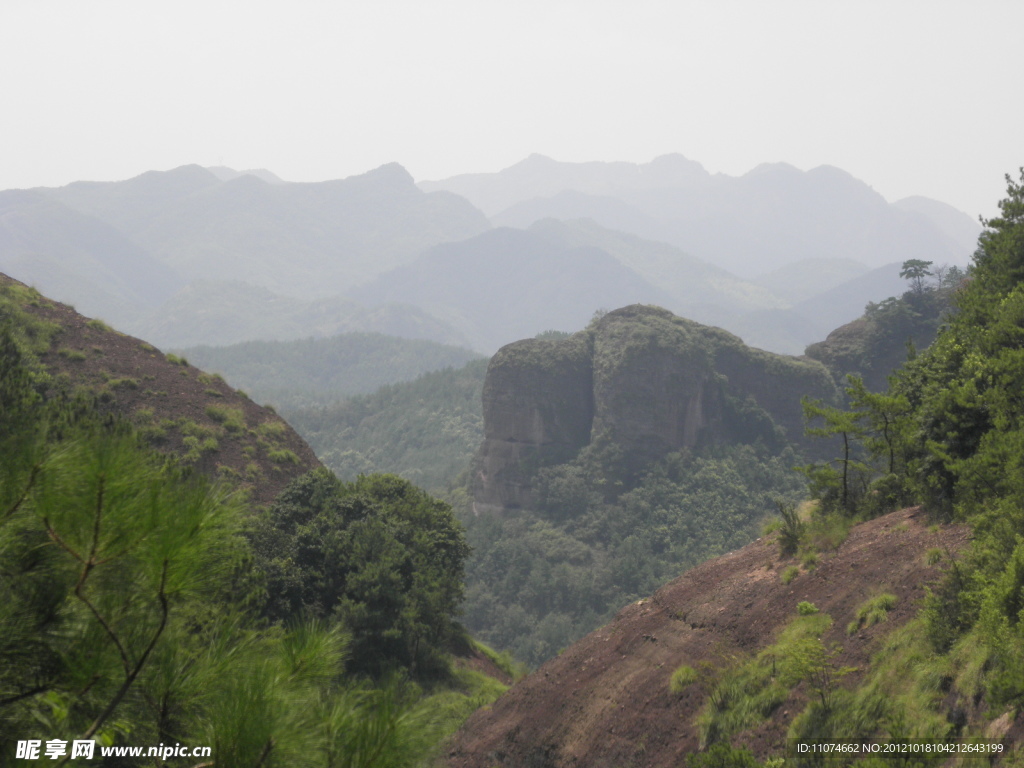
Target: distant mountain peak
x=390, y=177
x=780, y=167
x=224, y=173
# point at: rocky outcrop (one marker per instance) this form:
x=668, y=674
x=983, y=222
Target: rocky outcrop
x=639, y=381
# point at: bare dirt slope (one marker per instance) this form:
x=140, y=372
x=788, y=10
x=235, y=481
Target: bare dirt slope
x=605, y=701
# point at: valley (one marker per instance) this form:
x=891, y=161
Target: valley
x=712, y=464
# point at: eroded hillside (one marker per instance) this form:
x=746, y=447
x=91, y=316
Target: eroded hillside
x=606, y=700
x=177, y=407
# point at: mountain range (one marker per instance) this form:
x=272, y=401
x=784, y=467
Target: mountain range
x=772, y=216
x=216, y=256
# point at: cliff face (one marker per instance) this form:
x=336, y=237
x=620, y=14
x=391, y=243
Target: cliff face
x=641, y=382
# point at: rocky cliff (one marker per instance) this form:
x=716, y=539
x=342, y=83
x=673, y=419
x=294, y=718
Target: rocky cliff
x=638, y=383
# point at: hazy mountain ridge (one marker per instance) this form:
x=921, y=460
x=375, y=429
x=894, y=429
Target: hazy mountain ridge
x=510, y=283
x=131, y=251
x=78, y=257
x=307, y=239
x=540, y=176
x=231, y=312
x=515, y=283
x=750, y=224
x=200, y=256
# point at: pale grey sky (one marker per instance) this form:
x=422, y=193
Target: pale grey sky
x=911, y=97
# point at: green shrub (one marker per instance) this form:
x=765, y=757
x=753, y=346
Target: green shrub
x=933, y=556
x=71, y=354
x=502, y=661
x=748, y=692
x=683, y=677
x=283, y=456
x=175, y=360
x=153, y=434
x=826, y=532
x=790, y=573
x=792, y=529
x=272, y=429
x=805, y=608
x=194, y=429
x=98, y=325
x=872, y=611
x=233, y=419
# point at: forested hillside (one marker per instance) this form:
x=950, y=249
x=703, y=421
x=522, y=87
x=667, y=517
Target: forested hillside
x=424, y=430
x=318, y=372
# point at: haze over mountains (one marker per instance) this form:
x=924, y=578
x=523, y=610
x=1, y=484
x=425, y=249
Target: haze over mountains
x=217, y=256
x=772, y=216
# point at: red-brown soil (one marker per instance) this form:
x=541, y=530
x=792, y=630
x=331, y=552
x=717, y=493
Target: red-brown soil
x=168, y=400
x=605, y=701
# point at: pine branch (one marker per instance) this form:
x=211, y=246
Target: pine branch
x=134, y=672
x=24, y=494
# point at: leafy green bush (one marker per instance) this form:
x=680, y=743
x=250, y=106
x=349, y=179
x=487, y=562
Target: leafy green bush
x=805, y=608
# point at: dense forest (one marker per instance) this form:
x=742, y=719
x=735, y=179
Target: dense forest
x=541, y=579
x=425, y=430
x=318, y=372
